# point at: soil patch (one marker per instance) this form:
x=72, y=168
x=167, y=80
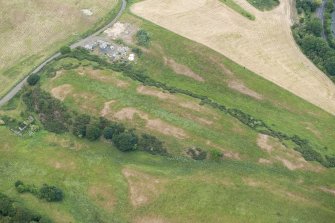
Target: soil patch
x=153, y=124
x=328, y=190
x=182, y=69
x=150, y=220
x=106, y=109
x=154, y=92
x=62, y=91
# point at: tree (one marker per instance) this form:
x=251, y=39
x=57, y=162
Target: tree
x=65, y=50
x=126, y=141
x=314, y=26
x=93, y=132
x=143, y=38
x=330, y=66
x=79, y=125
x=113, y=129
x=151, y=144
x=33, y=79
x=51, y=193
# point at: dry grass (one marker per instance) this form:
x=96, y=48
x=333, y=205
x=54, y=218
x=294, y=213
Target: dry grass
x=265, y=46
x=33, y=29
x=62, y=91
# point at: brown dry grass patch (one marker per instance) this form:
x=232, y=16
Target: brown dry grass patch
x=103, y=195
x=143, y=188
x=153, y=124
x=62, y=91
x=265, y=46
x=182, y=69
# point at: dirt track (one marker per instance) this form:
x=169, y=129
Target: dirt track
x=265, y=46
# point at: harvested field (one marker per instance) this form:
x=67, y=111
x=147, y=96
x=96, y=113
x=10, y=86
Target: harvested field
x=265, y=46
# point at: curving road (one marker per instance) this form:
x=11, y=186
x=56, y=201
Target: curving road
x=81, y=42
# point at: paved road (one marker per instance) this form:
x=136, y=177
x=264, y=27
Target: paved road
x=81, y=42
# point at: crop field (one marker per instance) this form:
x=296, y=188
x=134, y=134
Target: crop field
x=265, y=46
x=33, y=30
x=259, y=179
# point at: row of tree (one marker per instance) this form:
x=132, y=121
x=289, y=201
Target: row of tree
x=45, y=192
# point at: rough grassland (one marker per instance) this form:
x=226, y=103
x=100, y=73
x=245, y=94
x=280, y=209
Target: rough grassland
x=33, y=30
x=264, y=4
x=265, y=46
x=98, y=189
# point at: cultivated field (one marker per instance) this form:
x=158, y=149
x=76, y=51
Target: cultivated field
x=31, y=30
x=265, y=46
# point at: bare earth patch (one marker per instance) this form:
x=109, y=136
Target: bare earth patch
x=240, y=87
x=182, y=69
x=62, y=91
x=328, y=190
x=143, y=187
x=153, y=124
x=265, y=46
x=106, y=109
x=154, y=92
x=103, y=195
x=150, y=220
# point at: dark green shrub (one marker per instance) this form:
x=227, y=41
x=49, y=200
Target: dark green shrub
x=93, y=132
x=143, y=38
x=33, y=79
x=113, y=129
x=151, y=144
x=79, y=125
x=65, y=50
x=196, y=153
x=51, y=193
x=216, y=155
x=126, y=141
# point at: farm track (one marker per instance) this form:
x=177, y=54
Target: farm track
x=265, y=46
x=81, y=42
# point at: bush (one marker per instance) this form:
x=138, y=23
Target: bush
x=216, y=155
x=51, y=193
x=126, y=141
x=79, y=125
x=113, y=129
x=196, y=153
x=33, y=79
x=93, y=132
x=151, y=144
x=65, y=50
x=143, y=38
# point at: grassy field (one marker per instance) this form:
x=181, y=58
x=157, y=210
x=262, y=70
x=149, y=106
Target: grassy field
x=99, y=183
x=33, y=30
x=259, y=180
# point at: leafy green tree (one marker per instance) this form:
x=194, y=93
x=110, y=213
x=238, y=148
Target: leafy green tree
x=126, y=141
x=33, y=79
x=113, y=129
x=65, y=50
x=51, y=193
x=143, y=38
x=151, y=144
x=330, y=66
x=79, y=125
x=93, y=132
x=314, y=26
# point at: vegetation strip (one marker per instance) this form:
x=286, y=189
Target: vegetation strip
x=236, y=7
x=301, y=145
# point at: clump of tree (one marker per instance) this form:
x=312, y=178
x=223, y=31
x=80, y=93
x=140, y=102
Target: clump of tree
x=14, y=212
x=46, y=192
x=308, y=34
x=33, y=79
x=65, y=50
x=143, y=38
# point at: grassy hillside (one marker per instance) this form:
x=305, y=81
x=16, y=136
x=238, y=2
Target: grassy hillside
x=33, y=30
x=264, y=4
x=259, y=178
